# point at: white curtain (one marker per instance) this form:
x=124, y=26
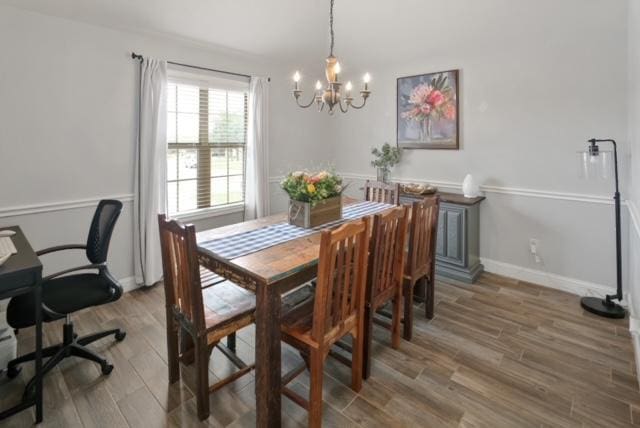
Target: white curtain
x=257, y=175
x=151, y=171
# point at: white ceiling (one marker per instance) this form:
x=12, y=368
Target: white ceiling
x=367, y=31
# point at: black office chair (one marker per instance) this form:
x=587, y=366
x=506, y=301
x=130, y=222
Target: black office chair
x=64, y=293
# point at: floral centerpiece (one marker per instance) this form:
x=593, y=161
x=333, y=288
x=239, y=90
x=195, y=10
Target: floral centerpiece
x=430, y=102
x=314, y=198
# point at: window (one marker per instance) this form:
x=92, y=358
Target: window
x=206, y=137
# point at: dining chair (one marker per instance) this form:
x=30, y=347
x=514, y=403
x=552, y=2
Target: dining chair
x=333, y=310
x=377, y=191
x=206, y=314
x=421, y=257
x=385, y=275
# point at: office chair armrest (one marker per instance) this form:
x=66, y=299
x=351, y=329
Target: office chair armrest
x=61, y=248
x=98, y=266
x=50, y=312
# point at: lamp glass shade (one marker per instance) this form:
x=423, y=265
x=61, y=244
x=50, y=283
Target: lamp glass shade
x=595, y=167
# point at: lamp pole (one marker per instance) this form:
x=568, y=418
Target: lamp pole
x=607, y=307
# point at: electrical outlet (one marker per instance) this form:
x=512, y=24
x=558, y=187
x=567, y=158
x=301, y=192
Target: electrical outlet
x=533, y=245
x=533, y=248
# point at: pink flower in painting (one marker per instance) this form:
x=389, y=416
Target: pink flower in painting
x=435, y=98
x=450, y=112
x=420, y=94
x=427, y=101
x=425, y=109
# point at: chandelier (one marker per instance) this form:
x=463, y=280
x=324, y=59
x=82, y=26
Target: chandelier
x=331, y=95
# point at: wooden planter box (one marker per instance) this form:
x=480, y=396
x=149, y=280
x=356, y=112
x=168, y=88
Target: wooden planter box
x=304, y=215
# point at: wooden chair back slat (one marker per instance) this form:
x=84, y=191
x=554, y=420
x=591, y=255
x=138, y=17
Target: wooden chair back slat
x=386, y=256
x=341, y=277
x=181, y=271
x=422, y=236
x=376, y=191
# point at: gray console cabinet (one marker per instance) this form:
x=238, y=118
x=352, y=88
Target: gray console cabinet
x=458, y=241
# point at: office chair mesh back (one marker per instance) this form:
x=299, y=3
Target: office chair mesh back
x=102, y=225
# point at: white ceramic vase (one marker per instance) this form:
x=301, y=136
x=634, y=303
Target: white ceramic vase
x=469, y=187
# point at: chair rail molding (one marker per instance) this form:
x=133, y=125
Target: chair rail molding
x=59, y=205
x=516, y=191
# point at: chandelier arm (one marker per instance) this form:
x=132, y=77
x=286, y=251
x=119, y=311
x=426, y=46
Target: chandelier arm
x=364, y=101
x=343, y=108
x=313, y=100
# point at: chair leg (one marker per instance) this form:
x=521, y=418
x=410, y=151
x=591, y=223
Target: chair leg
x=315, y=395
x=80, y=351
x=429, y=297
x=202, y=374
x=231, y=342
x=357, y=359
x=395, y=321
x=85, y=340
x=46, y=368
x=367, y=342
x=173, y=354
x=186, y=346
x=46, y=353
x=408, y=310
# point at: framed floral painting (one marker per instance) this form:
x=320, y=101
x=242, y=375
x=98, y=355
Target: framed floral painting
x=427, y=111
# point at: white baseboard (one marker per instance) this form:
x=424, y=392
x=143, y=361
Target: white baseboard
x=129, y=284
x=551, y=280
x=634, y=328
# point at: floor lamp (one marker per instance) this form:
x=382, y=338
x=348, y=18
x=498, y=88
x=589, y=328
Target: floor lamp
x=596, y=163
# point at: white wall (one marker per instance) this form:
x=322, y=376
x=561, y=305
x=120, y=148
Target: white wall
x=534, y=87
x=537, y=81
x=634, y=138
x=68, y=124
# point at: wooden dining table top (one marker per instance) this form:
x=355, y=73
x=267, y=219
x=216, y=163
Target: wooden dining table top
x=274, y=263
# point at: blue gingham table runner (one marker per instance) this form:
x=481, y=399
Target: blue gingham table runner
x=245, y=243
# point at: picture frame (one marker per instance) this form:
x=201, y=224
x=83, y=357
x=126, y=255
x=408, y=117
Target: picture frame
x=427, y=111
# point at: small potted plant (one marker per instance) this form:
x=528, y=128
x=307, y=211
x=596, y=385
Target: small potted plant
x=314, y=198
x=385, y=158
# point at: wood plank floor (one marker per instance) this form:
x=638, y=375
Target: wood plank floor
x=499, y=353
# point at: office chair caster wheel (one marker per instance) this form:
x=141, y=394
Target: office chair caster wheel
x=121, y=335
x=13, y=371
x=107, y=369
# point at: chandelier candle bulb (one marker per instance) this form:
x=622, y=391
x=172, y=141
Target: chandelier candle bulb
x=318, y=85
x=296, y=79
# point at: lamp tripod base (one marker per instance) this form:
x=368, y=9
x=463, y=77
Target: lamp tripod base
x=603, y=308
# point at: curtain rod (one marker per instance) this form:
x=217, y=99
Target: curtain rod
x=141, y=58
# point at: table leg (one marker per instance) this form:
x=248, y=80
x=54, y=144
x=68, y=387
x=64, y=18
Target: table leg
x=38, y=357
x=268, y=356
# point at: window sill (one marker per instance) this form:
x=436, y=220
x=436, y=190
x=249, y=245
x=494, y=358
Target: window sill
x=210, y=212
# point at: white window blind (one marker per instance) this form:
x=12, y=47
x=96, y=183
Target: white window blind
x=206, y=137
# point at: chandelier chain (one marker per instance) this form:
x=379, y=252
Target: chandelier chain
x=331, y=27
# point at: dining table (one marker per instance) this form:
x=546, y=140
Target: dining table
x=269, y=257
